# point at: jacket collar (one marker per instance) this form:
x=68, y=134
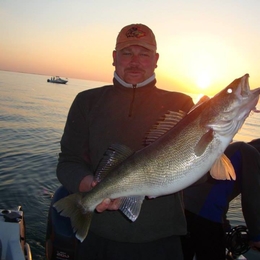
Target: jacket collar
x=138, y=85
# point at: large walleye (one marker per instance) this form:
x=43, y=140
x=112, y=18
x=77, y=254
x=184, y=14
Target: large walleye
x=170, y=163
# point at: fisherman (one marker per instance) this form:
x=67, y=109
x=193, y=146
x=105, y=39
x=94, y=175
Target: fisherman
x=123, y=113
x=207, y=201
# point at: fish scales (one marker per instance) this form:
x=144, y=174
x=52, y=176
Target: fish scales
x=172, y=162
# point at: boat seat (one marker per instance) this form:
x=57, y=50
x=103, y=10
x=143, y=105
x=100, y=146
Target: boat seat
x=60, y=238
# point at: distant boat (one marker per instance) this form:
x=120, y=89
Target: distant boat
x=57, y=79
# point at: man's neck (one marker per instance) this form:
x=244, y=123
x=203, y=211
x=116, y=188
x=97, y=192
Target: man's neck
x=138, y=85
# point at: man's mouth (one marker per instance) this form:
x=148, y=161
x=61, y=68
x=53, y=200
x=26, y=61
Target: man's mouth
x=134, y=70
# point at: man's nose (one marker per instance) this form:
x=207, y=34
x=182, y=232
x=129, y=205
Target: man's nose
x=135, y=59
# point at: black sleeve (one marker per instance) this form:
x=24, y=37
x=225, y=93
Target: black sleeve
x=250, y=193
x=74, y=163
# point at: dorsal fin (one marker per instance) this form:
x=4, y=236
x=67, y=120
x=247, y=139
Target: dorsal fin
x=114, y=155
x=164, y=124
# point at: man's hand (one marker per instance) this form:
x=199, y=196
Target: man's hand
x=86, y=183
x=108, y=204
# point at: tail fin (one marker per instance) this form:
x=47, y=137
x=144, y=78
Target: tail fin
x=70, y=206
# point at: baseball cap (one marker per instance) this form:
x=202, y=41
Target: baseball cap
x=136, y=34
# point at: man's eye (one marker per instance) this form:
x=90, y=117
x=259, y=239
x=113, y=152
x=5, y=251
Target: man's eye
x=127, y=53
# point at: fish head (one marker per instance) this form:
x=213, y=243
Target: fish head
x=227, y=110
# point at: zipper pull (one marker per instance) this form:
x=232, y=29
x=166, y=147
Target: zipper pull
x=132, y=102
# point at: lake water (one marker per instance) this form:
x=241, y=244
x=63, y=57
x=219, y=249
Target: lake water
x=32, y=117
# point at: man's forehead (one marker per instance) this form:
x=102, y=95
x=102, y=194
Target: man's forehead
x=136, y=47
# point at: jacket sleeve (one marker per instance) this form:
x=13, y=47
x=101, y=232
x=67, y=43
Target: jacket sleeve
x=74, y=163
x=250, y=190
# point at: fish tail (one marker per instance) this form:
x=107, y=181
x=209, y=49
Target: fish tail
x=70, y=206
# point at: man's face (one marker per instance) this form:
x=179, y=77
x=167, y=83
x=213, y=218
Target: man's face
x=135, y=64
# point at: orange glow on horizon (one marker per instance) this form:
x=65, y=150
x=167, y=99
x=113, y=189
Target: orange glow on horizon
x=200, y=52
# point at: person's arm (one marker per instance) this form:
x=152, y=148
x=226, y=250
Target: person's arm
x=74, y=163
x=74, y=166
x=250, y=193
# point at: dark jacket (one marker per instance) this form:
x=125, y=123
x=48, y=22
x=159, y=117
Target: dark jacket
x=115, y=114
x=210, y=198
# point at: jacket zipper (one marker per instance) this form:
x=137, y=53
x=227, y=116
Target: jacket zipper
x=132, y=102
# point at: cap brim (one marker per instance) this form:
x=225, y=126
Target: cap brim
x=123, y=45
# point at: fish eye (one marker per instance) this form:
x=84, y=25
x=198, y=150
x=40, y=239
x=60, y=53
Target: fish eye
x=229, y=90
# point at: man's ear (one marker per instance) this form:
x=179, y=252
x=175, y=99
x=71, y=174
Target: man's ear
x=114, y=57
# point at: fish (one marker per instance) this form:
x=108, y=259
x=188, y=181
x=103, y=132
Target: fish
x=178, y=151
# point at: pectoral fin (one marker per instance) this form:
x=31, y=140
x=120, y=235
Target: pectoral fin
x=203, y=143
x=223, y=169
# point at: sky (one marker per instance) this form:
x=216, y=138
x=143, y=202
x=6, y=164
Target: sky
x=203, y=44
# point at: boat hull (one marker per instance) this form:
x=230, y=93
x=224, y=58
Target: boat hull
x=57, y=81
x=12, y=235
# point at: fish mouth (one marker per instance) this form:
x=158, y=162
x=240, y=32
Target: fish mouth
x=249, y=98
x=244, y=92
x=238, y=102
x=243, y=89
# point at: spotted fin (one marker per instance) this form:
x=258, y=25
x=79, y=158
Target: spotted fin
x=164, y=124
x=115, y=154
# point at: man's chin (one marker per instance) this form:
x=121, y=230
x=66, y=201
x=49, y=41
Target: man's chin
x=134, y=79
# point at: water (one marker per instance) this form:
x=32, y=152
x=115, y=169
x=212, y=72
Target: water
x=32, y=117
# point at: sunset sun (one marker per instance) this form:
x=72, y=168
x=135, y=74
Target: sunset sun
x=203, y=81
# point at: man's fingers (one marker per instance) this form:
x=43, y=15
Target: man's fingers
x=94, y=183
x=108, y=204
x=103, y=205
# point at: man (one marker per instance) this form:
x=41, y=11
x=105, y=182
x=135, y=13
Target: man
x=206, y=204
x=123, y=113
